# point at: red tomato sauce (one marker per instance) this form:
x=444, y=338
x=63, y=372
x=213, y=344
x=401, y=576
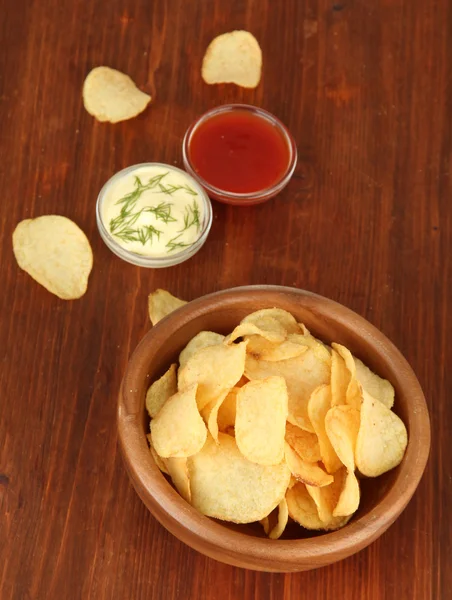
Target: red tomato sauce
x=239, y=152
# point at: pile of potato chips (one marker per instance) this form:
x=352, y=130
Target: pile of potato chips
x=269, y=417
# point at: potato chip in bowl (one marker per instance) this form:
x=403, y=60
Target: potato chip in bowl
x=271, y=420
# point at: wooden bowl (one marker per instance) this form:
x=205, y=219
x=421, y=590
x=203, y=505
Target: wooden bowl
x=383, y=498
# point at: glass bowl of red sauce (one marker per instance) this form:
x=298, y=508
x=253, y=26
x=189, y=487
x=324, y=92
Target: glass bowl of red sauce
x=240, y=154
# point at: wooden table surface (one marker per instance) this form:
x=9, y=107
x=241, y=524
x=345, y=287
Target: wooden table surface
x=365, y=86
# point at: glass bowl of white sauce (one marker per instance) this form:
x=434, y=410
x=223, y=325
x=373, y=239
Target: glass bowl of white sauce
x=153, y=215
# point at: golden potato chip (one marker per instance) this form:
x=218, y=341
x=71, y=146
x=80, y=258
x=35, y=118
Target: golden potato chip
x=215, y=369
x=342, y=425
x=260, y=421
x=378, y=388
x=225, y=485
x=109, y=95
x=302, y=374
x=202, y=340
x=292, y=481
x=178, y=471
x=246, y=329
x=159, y=461
x=318, y=406
x=327, y=497
x=304, y=329
x=309, y=473
x=320, y=350
x=340, y=379
x=233, y=57
x=210, y=414
x=303, y=510
x=382, y=438
x=363, y=378
x=349, y=499
x=265, y=522
x=354, y=389
x=273, y=319
x=261, y=348
x=56, y=253
x=227, y=411
x=160, y=391
x=242, y=381
x=283, y=517
x=305, y=443
x=178, y=430
x=161, y=303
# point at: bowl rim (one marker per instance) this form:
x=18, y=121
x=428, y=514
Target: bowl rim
x=200, y=531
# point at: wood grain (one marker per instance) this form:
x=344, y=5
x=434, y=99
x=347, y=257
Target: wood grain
x=365, y=88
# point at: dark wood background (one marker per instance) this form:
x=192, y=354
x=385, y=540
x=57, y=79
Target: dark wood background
x=365, y=86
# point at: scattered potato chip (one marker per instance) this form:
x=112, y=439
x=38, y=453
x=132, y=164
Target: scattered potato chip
x=378, y=388
x=382, y=438
x=233, y=57
x=273, y=319
x=318, y=406
x=303, y=510
x=227, y=411
x=178, y=471
x=161, y=303
x=246, y=329
x=309, y=473
x=178, y=430
x=225, y=485
x=202, y=340
x=305, y=443
x=260, y=421
x=160, y=391
x=302, y=374
x=340, y=379
x=109, y=95
x=283, y=517
x=159, y=461
x=342, y=425
x=215, y=369
x=56, y=253
x=327, y=497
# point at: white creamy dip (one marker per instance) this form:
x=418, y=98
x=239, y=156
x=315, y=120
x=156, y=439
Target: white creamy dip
x=153, y=211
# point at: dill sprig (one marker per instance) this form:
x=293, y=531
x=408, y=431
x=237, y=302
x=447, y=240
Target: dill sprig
x=140, y=234
x=191, y=217
x=130, y=200
x=173, y=244
x=161, y=212
x=170, y=189
x=122, y=226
